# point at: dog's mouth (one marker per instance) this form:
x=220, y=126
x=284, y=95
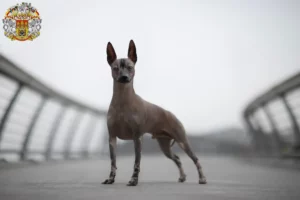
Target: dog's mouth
x=124, y=79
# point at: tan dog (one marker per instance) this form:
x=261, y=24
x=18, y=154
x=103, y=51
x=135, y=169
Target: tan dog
x=129, y=117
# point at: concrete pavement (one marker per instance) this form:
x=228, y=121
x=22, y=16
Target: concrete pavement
x=228, y=178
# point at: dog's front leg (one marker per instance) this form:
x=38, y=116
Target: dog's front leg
x=136, y=168
x=112, y=151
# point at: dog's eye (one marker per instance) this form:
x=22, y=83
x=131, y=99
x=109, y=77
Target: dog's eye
x=129, y=68
x=115, y=68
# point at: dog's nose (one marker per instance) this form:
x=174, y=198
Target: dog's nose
x=124, y=79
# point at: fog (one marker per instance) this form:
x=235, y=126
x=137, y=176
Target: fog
x=203, y=60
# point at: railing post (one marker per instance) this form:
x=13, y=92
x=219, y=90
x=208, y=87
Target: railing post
x=295, y=124
x=255, y=134
x=275, y=131
x=261, y=137
x=32, y=124
x=54, y=129
x=251, y=131
x=71, y=134
x=9, y=109
x=89, y=135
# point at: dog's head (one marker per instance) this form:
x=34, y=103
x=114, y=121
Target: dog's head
x=122, y=69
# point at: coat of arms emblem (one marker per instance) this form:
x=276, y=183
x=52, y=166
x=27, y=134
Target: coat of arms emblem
x=22, y=22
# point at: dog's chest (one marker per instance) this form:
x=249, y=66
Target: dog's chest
x=120, y=118
x=124, y=121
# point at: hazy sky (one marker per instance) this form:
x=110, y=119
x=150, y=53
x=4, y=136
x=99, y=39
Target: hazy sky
x=203, y=60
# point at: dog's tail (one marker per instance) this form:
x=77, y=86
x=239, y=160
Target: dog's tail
x=173, y=143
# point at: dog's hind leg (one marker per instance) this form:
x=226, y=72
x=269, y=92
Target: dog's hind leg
x=184, y=144
x=165, y=145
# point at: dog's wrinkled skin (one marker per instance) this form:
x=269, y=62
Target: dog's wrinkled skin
x=129, y=117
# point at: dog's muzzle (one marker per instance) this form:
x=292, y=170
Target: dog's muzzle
x=124, y=79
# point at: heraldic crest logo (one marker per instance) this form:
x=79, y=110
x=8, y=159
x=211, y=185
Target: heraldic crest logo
x=22, y=22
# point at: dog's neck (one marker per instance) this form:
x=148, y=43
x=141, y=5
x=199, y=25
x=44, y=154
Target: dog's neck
x=123, y=92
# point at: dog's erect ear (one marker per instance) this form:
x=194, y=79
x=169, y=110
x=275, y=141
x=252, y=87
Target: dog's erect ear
x=111, y=54
x=132, y=51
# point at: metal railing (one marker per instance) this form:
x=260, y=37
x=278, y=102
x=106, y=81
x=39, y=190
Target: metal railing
x=273, y=119
x=38, y=122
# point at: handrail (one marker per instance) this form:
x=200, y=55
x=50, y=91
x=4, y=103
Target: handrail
x=23, y=81
x=11, y=70
x=275, y=143
x=281, y=88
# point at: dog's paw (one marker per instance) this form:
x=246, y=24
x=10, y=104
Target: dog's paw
x=133, y=182
x=182, y=179
x=108, y=181
x=202, y=180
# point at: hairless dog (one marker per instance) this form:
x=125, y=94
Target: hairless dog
x=129, y=117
